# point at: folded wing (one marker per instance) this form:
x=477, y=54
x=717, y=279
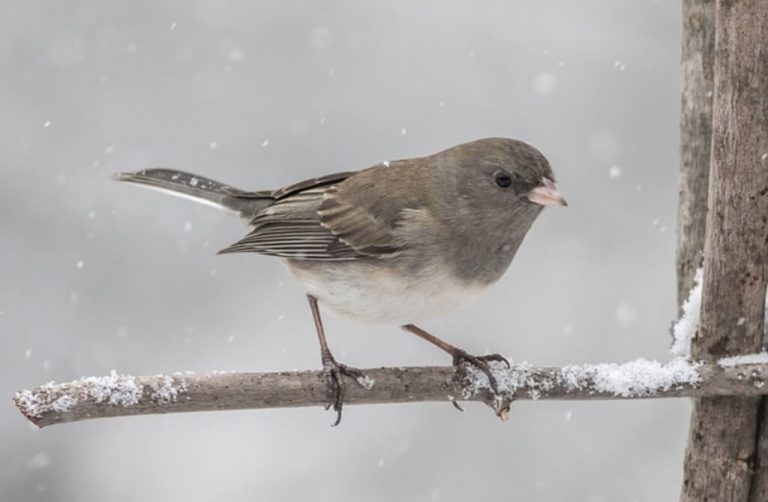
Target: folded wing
x=312, y=220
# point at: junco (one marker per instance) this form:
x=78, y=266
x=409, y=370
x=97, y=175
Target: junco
x=397, y=243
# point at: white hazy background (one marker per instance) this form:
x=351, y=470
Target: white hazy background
x=96, y=275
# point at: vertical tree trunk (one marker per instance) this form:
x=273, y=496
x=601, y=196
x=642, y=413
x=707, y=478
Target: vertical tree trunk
x=723, y=439
x=759, y=491
x=697, y=63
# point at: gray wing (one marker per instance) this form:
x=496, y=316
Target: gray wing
x=312, y=220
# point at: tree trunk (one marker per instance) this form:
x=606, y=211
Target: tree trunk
x=697, y=63
x=722, y=450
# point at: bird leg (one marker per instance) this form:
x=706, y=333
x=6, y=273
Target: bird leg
x=332, y=369
x=460, y=356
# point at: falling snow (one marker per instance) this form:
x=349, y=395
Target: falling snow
x=625, y=315
x=39, y=460
x=319, y=38
x=236, y=54
x=544, y=84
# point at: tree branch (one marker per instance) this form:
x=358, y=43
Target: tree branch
x=120, y=395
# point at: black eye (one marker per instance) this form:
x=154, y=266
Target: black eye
x=503, y=180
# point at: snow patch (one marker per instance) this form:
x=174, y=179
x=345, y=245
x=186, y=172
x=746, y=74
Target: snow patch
x=117, y=389
x=37, y=404
x=759, y=358
x=366, y=382
x=632, y=379
x=508, y=380
x=63, y=404
x=635, y=378
x=685, y=327
x=167, y=390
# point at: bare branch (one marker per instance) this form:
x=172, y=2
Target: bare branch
x=120, y=395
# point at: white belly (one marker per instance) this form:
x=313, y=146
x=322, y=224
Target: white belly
x=365, y=293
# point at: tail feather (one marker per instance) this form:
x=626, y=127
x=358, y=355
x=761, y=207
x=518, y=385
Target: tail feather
x=201, y=189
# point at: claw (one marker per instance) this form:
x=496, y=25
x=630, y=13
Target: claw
x=497, y=358
x=481, y=363
x=335, y=390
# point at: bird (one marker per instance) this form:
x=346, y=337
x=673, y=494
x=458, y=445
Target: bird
x=398, y=243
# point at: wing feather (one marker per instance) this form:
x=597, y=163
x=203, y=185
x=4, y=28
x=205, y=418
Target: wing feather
x=315, y=220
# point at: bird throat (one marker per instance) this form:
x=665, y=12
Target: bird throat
x=481, y=257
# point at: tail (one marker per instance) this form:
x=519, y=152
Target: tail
x=200, y=189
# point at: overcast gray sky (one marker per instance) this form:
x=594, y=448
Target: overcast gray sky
x=98, y=276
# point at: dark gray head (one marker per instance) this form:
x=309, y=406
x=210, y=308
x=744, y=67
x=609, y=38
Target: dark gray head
x=494, y=190
x=500, y=172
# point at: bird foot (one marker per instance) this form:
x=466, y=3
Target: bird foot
x=481, y=363
x=334, y=372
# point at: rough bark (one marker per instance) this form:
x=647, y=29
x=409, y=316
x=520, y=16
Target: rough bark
x=721, y=457
x=120, y=395
x=698, y=57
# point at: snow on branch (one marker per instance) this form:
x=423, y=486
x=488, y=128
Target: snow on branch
x=120, y=395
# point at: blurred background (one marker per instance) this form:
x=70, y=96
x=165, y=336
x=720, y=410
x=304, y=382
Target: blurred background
x=98, y=276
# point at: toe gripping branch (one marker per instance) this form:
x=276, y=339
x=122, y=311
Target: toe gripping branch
x=334, y=373
x=499, y=402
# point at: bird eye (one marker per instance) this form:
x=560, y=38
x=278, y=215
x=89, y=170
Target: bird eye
x=503, y=180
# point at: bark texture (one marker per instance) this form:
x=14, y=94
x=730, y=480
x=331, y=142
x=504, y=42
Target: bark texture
x=721, y=459
x=698, y=58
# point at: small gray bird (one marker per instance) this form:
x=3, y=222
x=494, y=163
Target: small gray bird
x=397, y=243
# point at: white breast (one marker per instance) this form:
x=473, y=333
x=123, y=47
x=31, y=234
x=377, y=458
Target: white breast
x=366, y=293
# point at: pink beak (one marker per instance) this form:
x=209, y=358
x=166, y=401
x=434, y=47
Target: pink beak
x=546, y=194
